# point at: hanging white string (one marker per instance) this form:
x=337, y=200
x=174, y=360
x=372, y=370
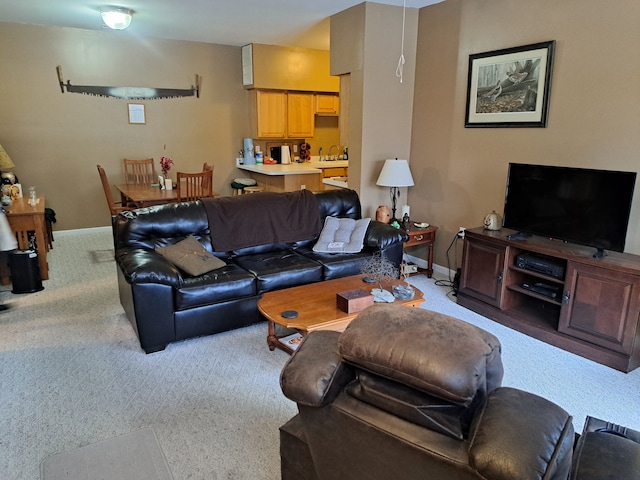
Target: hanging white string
x=401, y=59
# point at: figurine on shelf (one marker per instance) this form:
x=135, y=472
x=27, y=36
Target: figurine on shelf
x=406, y=223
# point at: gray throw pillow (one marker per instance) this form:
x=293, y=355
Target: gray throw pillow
x=191, y=257
x=342, y=235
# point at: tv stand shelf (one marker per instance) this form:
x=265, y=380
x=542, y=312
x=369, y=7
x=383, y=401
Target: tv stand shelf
x=596, y=309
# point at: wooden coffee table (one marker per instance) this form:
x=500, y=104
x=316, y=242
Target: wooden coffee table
x=316, y=307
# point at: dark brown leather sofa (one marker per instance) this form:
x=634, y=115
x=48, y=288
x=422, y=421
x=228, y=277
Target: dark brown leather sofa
x=405, y=393
x=165, y=305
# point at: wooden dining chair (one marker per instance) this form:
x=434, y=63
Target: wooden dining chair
x=192, y=186
x=140, y=172
x=114, y=207
x=206, y=168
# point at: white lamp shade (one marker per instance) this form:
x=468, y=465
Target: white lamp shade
x=395, y=173
x=117, y=18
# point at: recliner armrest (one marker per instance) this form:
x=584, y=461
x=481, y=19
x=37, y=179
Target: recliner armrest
x=521, y=435
x=315, y=373
x=381, y=235
x=140, y=265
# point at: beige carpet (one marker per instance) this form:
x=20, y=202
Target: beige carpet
x=72, y=374
x=134, y=456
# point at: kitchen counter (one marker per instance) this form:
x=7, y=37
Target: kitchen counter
x=341, y=182
x=278, y=169
x=305, y=168
x=295, y=176
x=328, y=164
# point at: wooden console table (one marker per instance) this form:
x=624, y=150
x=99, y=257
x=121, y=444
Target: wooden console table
x=25, y=218
x=588, y=306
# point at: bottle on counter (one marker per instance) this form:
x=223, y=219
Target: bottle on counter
x=345, y=155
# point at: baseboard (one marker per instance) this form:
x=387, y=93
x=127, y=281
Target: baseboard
x=82, y=230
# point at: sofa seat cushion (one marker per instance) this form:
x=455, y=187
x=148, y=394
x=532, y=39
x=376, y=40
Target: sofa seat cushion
x=390, y=341
x=277, y=270
x=227, y=283
x=336, y=265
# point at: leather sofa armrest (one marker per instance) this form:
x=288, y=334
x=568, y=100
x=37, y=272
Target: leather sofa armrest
x=381, y=235
x=140, y=265
x=521, y=435
x=315, y=373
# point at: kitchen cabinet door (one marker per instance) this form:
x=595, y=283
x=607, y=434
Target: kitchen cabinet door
x=327, y=104
x=271, y=112
x=300, y=108
x=334, y=172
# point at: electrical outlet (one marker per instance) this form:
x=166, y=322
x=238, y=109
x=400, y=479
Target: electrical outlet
x=303, y=187
x=460, y=233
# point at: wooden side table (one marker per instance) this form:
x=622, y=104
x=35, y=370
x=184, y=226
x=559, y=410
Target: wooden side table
x=25, y=218
x=423, y=236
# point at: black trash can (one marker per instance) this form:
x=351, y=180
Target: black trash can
x=25, y=271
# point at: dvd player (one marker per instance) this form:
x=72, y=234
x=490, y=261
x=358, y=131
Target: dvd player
x=551, y=291
x=540, y=264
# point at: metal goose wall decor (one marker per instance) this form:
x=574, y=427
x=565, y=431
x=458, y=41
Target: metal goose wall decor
x=129, y=93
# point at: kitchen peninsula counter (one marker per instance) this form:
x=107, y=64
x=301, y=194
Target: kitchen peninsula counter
x=288, y=178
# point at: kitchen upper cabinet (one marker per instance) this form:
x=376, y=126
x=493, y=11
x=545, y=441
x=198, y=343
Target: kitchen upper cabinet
x=277, y=114
x=300, y=121
x=327, y=104
x=271, y=114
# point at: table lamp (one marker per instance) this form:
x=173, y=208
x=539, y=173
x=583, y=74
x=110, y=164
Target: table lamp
x=5, y=159
x=395, y=174
x=5, y=164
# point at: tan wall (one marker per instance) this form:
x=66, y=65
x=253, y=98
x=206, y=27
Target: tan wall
x=57, y=139
x=380, y=106
x=594, y=110
x=288, y=68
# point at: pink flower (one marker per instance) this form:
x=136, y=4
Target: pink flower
x=165, y=165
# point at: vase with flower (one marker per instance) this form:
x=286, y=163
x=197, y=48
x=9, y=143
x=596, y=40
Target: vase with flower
x=165, y=166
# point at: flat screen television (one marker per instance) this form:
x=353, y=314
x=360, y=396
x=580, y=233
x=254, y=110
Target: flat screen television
x=577, y=205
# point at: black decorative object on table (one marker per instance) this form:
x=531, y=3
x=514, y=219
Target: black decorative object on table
x=406, y=222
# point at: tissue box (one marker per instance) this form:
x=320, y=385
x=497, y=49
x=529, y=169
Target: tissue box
x=353, y=301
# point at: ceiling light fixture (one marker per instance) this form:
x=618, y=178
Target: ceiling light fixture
x=117, y=18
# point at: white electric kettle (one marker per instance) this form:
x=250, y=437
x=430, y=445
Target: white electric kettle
x=493, y=221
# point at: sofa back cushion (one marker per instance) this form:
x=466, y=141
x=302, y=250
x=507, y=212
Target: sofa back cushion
x=342, y=203
x=412, y=405
x=270, y=217
x=428, y=351
x=161, y=225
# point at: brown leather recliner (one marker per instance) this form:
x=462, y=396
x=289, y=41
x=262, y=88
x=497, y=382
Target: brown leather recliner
x=405, y=393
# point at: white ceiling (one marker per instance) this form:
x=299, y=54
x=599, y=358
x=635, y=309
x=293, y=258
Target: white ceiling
x=301, y=23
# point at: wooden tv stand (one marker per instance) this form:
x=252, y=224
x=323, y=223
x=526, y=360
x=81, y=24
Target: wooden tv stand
x=592, y=310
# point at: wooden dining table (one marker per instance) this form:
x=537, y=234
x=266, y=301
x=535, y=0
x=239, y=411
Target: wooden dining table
x=146, y=195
